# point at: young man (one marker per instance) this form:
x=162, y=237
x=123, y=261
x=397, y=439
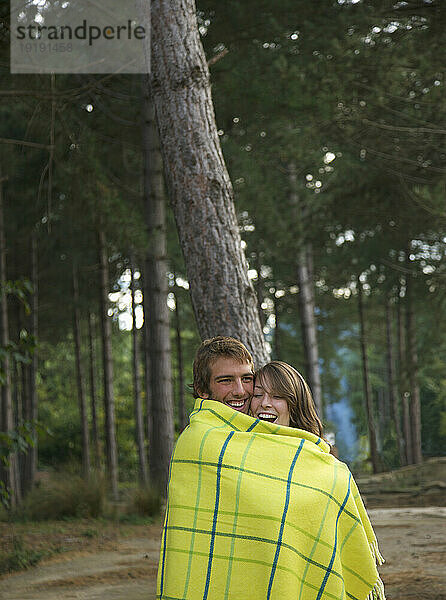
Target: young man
x=224, y=371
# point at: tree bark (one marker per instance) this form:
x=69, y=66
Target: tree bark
x=86, y=465
x=109, y=399
x=392, y=384
x=9, y=471
x=182, y=419
x=139, y=421
x=367, y=387
x=412, y=361
x=158, y=312
x=404, y=394
x=94, y=419
x=200, y=190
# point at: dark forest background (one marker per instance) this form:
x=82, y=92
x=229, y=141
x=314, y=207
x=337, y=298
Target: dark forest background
x=332, y=122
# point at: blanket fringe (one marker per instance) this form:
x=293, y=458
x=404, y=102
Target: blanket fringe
x=377, y=593
x=376, y=553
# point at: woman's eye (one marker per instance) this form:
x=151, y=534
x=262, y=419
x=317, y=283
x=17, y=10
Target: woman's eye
x=257, y=396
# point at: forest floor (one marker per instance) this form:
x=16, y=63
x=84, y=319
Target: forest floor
x=122, y=565
x=103, y=560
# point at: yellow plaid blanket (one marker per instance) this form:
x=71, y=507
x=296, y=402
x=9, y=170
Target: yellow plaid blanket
x=260, y=511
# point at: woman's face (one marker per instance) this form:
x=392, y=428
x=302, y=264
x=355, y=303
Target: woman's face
x=269, y=407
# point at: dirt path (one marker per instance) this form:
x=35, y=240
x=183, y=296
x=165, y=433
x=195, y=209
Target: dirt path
x=413, y=541
x=125, y=571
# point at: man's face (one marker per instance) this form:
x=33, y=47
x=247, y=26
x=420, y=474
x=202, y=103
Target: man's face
x=231, y=382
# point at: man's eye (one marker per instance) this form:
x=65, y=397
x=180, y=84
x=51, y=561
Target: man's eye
x=248, y=378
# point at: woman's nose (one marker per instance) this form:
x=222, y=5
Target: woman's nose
x=266, y=400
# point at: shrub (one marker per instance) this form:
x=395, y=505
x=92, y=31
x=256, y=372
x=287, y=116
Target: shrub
x=64, y=497
x=132, y=519
x=146, y=502
x=20, y=557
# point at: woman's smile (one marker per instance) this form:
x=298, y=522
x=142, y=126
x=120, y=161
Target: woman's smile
x=268, y=407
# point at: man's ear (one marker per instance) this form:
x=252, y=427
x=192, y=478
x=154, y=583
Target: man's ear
x=204, y=396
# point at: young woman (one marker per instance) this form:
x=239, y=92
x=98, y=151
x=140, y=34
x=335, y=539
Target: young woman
x=282, y=396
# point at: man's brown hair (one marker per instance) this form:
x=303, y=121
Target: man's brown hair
x=208, y=352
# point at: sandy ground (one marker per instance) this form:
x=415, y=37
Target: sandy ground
x=413, y=541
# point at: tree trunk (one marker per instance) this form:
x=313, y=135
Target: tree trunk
x=139, y=421
x=277, y=345
x=9, y=471
x=31, y=400
x=259, y=291
x=147, y=370
x=158, y=312
x=306, y=298
x=80, y=379
x=94, y=419
x=182, y=419
x=200, y=190
x=24, y=460
x=19, y=399
x=309, y=328
x=404, y=394
x=383, y=417
x=109, y=400
x=392, y=384
x=412, y=362
x=17, y=410
x=367, y=387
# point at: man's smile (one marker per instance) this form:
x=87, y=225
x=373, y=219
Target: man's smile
x=236, y=404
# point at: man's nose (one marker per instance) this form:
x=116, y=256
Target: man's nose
x=238, y=389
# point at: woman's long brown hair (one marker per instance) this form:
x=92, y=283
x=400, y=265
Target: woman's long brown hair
x=281, y=379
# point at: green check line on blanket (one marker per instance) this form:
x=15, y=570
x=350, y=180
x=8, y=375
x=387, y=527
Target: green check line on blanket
x=258, y=511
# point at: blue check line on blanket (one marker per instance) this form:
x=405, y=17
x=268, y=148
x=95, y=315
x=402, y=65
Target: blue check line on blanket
x=214, y=524
x=192, y=542
x=282, y=524
x=329, y=569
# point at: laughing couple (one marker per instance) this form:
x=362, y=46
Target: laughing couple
x=257, y=506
